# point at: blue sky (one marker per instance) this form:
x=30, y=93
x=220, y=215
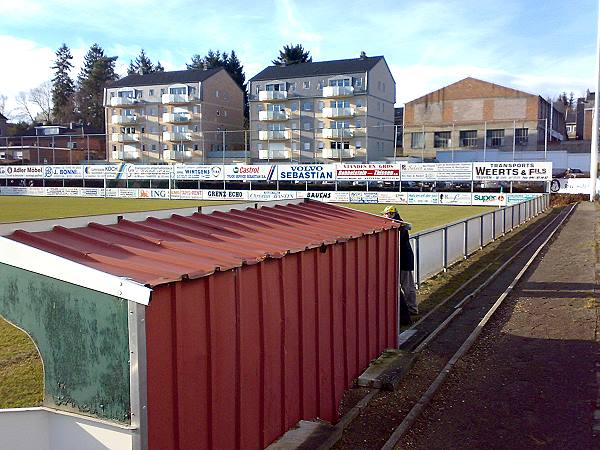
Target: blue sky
x=540, y=47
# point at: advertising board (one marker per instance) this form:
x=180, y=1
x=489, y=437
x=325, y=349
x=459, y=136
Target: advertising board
x=20, y=172
x=398, y=198
x=488, y=199
x=328, y=197
x=571, y=186
x=423, y=198
x=147, y=172
x=305, y=172
x=154, y=193
x=242, y=172
x=363, y=197
x=208, y=194
x=513, y=199
x=455, y=198
x=367, y=172
x=512, y=171
x=436, y=171
x=97, y=172
x=63, y=172
x=198, y=172
x=186, y=194
x=266, y=196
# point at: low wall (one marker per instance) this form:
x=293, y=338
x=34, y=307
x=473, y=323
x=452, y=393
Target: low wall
x=48, y=429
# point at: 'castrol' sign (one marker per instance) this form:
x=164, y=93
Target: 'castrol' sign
x=258, y=172
x=368, y=172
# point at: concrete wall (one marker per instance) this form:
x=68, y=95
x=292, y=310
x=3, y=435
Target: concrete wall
x=47, y=429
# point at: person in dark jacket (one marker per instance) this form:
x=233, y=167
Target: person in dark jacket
x=407, y=261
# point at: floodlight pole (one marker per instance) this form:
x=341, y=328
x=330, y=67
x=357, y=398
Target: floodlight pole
x=594, y=148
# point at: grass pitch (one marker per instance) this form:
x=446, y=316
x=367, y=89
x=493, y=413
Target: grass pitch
x=21, y=372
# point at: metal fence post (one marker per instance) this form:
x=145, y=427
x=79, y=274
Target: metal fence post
x=480, y=231
x=494, y=226
x=417, y=262
x=466, y=239
x=445, y=249
x=503, y=221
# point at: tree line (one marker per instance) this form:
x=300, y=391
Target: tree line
x=63, y=100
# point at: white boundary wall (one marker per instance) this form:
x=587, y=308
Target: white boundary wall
x=48, y=429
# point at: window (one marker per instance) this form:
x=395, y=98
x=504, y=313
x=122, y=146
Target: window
x=195, y=128
x=307, y=126
x=218, y=112
x=521, y=136
x=259, y=108
x=342, y=82
x=275, y=107
x=165, y=147
x=192, y=90
x=294, y=106
x=358, y=144
x=164, y=128
x=153, y=147
x=114, y=148
x=196, y=147
x=383, y=107
x=307, y=106
x=259, y=146
x=293, y=86
x=275, y=87
x=358, y=82
x=495, y=138
x=340, y=124
x=379, y=85
x=339, y=103
x=224, y=113
x=151, y=92
x=294, y=146
x=340, y=145
x=307, y=146
x=441, y=139
x=321, y=145
x=306, y=85
x=359, y=103
x=163, y=91
x=217, y=93
x=178, y=90
x=358, y=123
x=417, y=140
x=195, y=110
x=321, y=105
x=257, y=89
x=294, y=125
x=383, y=87
x=468, y=138
x=321, y=125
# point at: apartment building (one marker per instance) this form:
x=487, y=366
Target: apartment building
x=339, y=110
x=472, y=114
x=3, y=125
x=173, y=117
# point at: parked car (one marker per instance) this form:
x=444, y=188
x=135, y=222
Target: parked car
x=574, y=173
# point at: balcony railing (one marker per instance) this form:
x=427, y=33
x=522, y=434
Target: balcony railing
x=174, y=99
x=274, y=154
x=122, y=101
x=177, y=136
x=125, y=137
x=274, y=135
x=264, y=96
x=177, y=155
x=272, y=115
x=334, y=153
x=338, y=91
x=336, y=133
x=125, y=155
x=338, y=112
x=176, y=118
x=124, y=119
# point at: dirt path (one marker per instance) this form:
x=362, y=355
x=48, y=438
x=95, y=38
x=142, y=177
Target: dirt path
x=533, y=378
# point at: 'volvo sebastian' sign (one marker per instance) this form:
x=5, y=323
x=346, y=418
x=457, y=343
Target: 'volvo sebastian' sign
x=305, y=172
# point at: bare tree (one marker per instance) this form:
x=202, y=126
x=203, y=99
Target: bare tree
x=23, y=110
x=3, y=99
x=41, y=97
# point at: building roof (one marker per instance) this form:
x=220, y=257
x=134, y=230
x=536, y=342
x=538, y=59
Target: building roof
x=158, y=251
x=312, y=69
x=3, y=117
x=158, y=78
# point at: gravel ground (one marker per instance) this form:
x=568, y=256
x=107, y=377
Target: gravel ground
x=376, y=422
x=531, y=380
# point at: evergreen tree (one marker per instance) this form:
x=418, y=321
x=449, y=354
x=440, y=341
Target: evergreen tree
x=62, y=86
x=97, y=70
x=158, y=67
x=572, y=100
x=292, y=54
x=142, y=65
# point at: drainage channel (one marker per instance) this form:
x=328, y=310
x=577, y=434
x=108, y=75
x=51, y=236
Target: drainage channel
x=437, y=341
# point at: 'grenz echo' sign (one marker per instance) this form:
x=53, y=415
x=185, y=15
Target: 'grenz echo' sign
x=512, y=171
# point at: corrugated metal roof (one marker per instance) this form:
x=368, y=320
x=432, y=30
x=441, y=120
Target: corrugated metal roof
x=158, y=251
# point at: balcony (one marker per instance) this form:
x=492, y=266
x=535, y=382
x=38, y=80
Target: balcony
x=337, y=133
x=274, y=154
x=177, y=136
x=332, y=153
x=272, y=115
x=125, y=137
x=338, y=91
x=122, y=101
x=265, y=96
x=176, y=118
x=334, y=113
x=275, y=135
x=124, y=119
x=125, y=155
x=176, y=99
x=175, y=155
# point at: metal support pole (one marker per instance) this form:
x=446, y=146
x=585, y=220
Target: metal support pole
x=514, y=139
x=545, y=139
x=594, y=149
x=484, y=139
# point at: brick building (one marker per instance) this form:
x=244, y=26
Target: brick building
x=475, y=114
x=3, y=125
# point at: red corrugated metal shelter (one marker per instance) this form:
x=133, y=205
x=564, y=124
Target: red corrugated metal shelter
x=258, y=317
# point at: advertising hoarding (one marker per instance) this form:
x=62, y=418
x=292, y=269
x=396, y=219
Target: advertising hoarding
x=367, y=172
x=436, y=171
x=198, y=172
x=305, y=172
x=488, y=199
x=243, y=172
x=512, y=171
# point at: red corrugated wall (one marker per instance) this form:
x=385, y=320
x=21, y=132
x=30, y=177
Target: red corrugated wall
x=237, y=358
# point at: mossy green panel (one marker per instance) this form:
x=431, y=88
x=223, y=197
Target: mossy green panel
x=82, y=336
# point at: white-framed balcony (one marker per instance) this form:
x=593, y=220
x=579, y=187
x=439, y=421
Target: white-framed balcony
x=337, y=133
x=176, y=99
x=176, y=117
x=125, y=155
x=177, y=136
x=334, y=113
x=177, y=155
x=334, y=153
x=117, y=102
x=274, y=135
x=274, y=154
x=124, y=119
x=272, y=115
x=125, y=137
x=265, y=96
x=338, y=91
